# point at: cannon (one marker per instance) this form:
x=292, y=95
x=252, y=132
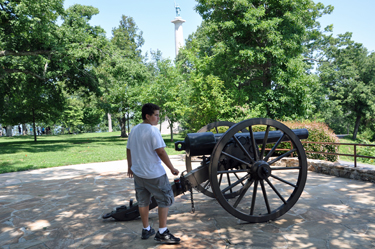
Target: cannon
x=241, y=168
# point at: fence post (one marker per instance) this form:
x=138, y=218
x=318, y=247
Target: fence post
x=291, y=146
x=355, y=155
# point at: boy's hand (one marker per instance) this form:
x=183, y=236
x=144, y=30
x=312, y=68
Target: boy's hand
x=175, y=171
x=130, y=173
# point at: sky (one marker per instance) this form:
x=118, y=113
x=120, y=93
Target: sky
x=154, y=18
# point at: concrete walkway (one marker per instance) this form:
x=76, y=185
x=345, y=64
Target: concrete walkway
x=62, y=208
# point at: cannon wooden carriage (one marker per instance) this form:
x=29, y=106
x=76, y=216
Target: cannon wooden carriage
x=241, y=168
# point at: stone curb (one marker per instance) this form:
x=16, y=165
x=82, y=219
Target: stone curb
x=362, y=172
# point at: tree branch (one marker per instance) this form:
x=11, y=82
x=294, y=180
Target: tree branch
x=22, y=71
x=311, y=59
x=23, y=53
x=46, y=66
x=248, y=82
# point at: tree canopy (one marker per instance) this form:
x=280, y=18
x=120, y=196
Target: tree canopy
x=39, y=58
x=347, y=73
x=256, y=48
x=121, y=71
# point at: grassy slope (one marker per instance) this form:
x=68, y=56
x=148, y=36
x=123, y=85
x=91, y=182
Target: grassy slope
x=22, y=153
x=349, y=149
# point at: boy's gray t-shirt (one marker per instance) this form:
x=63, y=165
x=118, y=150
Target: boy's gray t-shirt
x=143, y=140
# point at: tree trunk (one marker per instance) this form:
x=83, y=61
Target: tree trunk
x=171, y=129
x=24, y=132
x=128, y=123
x=9, y=131
x=109, y=122
x=34, y=126
x=357, y=121
x=123, y=126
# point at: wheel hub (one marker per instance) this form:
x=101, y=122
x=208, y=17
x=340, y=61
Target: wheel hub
x=261, y=170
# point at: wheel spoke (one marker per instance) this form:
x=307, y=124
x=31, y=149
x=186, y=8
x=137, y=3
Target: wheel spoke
x=232, y=171
x=235, y=183
x=284, y=168
x=265, y=196
x=253, y=144
x=282, y=156
x=275, y=190
x=238, y=178
x=264, y=142
x=237, y=159
x=205, y=186
x=228, y=178
x=243, y=149
x=217, y=131
x=243, y=191
x=274, y=148
x=254, y=197
x=220, y=179
x=284, y=181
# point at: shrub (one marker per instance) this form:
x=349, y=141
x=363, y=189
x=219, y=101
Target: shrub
x=318, y=132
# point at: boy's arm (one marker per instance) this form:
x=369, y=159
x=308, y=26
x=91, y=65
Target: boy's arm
x=129, y=158
x=165, y=158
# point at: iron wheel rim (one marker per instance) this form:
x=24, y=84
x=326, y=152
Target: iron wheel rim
x=255, y=177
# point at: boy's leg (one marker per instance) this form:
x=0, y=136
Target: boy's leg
x=143, y=198
x=163, y=214
x=147, y=230
x=144, y=211
x=163, y=235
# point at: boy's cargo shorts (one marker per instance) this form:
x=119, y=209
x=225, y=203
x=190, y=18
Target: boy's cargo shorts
x=159, y=187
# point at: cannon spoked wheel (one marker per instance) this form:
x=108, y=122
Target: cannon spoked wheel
x=266, y=190
x=205, y=187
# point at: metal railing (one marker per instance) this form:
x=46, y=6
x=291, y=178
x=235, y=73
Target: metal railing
x=355, y=155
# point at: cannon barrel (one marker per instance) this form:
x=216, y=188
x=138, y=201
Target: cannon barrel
x=197, y=144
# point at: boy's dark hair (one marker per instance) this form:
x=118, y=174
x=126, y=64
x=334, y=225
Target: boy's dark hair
x=149, y=109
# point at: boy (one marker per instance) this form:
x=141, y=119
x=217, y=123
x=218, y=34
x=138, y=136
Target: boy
x=145, y=151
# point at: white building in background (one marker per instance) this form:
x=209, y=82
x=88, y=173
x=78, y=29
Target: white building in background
x=165, y=127
x=178, y=32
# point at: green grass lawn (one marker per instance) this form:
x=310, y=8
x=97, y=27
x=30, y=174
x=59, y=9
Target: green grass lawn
x=349, y=149
x=22, y=153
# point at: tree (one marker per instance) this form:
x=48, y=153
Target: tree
x=348, y=73
x=121, y=72
x=204, y=97
x=166, y=88
x=92, y=114
x=81, y=112
x=44, y=54
x=256, y=50
x=28, y=100
x=128, y=38
x=73, y=114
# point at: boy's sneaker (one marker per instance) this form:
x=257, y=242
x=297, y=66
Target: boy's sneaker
x=166, y=238
x=146, y=234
